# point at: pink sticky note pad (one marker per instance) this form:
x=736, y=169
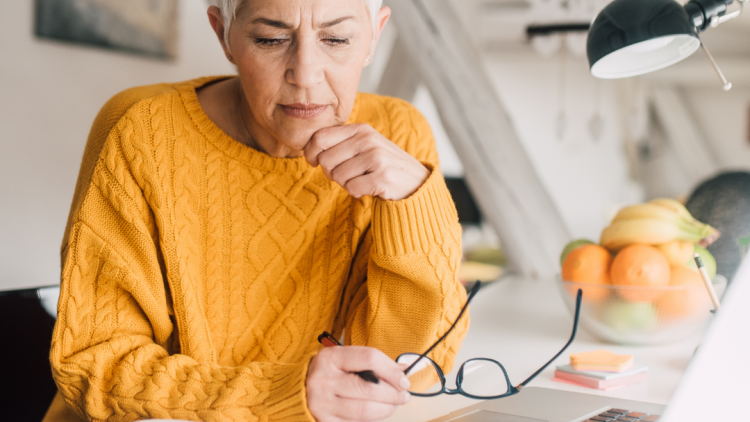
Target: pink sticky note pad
x=585, y=386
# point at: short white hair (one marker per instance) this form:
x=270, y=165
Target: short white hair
x=229, y=13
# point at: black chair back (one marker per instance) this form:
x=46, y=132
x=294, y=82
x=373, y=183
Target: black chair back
x=26, y=384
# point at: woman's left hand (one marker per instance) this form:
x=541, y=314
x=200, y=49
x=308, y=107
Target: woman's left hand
x=364, y=162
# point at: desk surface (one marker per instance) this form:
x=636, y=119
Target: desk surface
x=522, y=324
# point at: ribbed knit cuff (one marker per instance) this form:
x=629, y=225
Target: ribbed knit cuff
x=287, y=400
x=412, y=224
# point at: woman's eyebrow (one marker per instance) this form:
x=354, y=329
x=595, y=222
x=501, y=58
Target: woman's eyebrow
x=335, y=21
x=273, y=23
x=283, y=25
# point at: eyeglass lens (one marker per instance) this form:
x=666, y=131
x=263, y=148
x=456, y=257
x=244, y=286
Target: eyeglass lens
x=483, y=378
x=424, y=377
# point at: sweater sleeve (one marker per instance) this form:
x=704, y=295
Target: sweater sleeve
x=112, y=352
x=405, y=270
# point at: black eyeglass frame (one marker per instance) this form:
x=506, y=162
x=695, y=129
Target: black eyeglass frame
x=460, y=375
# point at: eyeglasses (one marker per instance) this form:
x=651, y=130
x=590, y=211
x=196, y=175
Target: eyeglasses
x=478, y=378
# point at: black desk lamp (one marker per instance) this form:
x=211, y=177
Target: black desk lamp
x=633, y=37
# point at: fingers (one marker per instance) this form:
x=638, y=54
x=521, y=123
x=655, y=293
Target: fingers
x=335, y=393
x=356, y=358
x=355, y=388
x=343, y=153
x=327, y=138
x=366, y=185
x=364, y=163
x=367, y=174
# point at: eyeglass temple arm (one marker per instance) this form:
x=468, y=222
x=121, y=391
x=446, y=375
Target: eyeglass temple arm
x=474, y=291
x=572, y=337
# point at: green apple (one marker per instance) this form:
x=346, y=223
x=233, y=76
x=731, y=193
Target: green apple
x=572, y=245
x=708, y=260
x=623, y=316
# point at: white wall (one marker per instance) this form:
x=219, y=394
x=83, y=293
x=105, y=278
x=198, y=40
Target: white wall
x=50, y=93
x=587, y=179
x=723, y=119
x=450, y=165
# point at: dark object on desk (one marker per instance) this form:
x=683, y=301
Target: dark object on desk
x=724, y=202
x=26, y=385
x=468, y=212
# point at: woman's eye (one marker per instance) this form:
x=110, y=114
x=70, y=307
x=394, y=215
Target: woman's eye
x=270, y=42
x=336, y=41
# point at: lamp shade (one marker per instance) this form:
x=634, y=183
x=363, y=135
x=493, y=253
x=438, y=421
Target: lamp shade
x=633, y=37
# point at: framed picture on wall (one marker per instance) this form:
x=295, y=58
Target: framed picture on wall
x=145, y=27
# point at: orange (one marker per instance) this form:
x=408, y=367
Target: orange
x=678, y=252
x=641, y=267
x=588, y=264
x=683, y=302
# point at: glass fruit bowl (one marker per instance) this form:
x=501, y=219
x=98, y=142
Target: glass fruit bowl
x=641, y=315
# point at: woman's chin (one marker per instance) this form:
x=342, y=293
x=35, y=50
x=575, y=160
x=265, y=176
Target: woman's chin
x=297, y=132
x=298, y=138
x=296, y=141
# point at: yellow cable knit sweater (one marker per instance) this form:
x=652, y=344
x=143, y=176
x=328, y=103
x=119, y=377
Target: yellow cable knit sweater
x=198, y=272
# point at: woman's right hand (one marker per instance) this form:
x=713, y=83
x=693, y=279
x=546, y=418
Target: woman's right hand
x=335, y=393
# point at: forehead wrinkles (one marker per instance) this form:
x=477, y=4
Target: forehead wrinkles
x=300, y=12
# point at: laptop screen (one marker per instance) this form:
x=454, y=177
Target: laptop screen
x=716, y=385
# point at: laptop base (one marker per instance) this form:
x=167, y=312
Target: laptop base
x=536, y=404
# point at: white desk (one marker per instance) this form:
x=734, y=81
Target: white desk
x=522, y=324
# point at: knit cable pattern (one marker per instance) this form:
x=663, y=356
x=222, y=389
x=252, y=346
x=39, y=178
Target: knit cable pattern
x=197, y=272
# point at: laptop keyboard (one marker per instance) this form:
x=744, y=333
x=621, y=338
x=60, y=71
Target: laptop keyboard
x=623, y=415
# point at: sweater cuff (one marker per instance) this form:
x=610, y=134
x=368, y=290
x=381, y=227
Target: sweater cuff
x=415, y=223
x=287, y=399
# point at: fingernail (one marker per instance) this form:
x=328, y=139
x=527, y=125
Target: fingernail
x=406, y=397
x=405, y=384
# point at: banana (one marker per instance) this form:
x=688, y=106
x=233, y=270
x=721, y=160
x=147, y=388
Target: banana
x=648, y=211
x=708, y=234
x=674, y=206
x=655, y=223
x=651, y=231
x=672, y=211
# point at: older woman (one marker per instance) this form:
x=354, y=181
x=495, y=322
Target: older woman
x=220, y=225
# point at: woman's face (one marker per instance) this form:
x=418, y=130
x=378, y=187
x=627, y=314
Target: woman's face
x=299, y=62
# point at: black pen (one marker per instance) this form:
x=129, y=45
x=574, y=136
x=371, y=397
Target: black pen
x=328, y=340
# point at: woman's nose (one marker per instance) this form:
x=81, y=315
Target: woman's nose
x=306, y=65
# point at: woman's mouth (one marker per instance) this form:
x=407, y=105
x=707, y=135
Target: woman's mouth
x=303, y=111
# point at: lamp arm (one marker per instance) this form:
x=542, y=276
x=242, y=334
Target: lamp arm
x=719, y=73
x=718, y=20
x=712, y=13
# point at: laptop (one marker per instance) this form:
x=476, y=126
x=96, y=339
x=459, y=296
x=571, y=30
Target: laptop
x=715, y=386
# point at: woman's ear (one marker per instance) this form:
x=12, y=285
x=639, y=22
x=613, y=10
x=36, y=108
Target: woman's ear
x=216, y=20
x=383, y=16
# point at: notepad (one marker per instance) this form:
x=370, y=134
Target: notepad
x=598, y=384
x=601, y=360
x=635, y=369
